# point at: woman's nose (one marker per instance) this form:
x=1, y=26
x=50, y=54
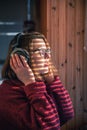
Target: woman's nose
x=46, y=55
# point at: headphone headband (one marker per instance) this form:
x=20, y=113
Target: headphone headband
x=30, y=36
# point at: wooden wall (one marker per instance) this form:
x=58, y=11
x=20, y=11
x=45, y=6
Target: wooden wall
x=85, y=65
x=63, y=23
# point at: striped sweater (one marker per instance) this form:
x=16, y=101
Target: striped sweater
x=37, y=106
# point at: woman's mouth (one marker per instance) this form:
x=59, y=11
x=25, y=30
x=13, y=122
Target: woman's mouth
x=45, y=65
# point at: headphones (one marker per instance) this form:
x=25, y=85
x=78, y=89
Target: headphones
x=20, y=51
x=23, y=52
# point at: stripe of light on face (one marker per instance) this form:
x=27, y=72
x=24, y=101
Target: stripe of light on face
x=37, y=44
x=37, y=40
x=39, y=47
x=40, y=65
x=38, y=62
x=39, y=59
x=38, y=68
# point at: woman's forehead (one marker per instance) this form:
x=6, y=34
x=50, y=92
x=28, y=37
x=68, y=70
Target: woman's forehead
x=38, y=43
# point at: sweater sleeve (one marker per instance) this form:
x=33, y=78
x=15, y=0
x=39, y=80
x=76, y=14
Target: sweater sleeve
x=62, y=100
x=43, y=106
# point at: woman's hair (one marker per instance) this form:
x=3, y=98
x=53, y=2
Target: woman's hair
x=24, y=40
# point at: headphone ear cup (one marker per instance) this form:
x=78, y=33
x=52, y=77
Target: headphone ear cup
x=22, y=52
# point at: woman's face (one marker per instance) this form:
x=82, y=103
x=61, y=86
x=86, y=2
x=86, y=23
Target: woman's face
x=40, y=56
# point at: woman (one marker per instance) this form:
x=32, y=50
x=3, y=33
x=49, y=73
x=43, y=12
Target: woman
x=32, y=96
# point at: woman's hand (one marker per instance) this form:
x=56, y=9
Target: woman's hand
x=49, y=77
x=22, y=69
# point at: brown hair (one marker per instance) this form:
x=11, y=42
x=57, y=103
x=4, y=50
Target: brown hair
x=23, y=40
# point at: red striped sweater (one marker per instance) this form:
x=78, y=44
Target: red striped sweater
x=34, y=107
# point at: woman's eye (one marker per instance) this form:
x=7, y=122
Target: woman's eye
x=35, y=51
